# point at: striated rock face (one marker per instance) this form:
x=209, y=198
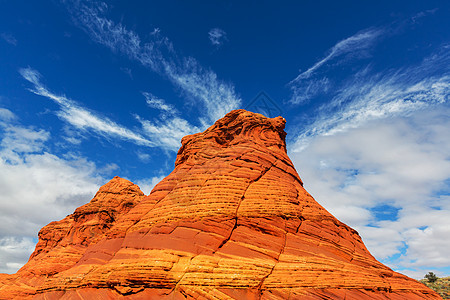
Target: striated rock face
x=62, y=244
x=232, y=221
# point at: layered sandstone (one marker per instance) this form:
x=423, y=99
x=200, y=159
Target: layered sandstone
x=232, y=221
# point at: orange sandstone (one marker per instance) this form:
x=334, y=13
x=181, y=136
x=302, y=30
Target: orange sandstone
x=232, y=221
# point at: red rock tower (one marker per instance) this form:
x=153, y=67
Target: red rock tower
x=232, y=221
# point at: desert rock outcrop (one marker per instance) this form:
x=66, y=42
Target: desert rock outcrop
x=232, y=221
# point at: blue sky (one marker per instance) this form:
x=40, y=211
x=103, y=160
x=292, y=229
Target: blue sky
x=90, y=90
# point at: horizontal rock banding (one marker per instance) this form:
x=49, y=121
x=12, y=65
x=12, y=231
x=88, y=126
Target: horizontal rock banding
x=232, y=221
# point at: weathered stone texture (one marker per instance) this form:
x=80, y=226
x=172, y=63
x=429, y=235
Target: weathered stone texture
x=232, y=221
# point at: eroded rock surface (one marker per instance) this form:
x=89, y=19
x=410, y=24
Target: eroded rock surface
x=232, y=221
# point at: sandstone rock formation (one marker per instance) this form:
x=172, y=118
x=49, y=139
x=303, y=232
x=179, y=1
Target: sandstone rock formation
x=232, y=221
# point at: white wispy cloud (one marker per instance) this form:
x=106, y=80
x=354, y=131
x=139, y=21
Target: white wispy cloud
x=167, y=133
x=144, y=157
x=157, y=53
x=360, y=41
x=80, y=117
x=422, y=14
x=367, y=96
x=6, y=115
x=311, y=82
x=216, y=96
x=158, y=103
x=9, y=38
x=217, y=36
x=127, y=71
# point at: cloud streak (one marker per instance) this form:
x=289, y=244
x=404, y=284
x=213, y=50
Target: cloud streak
x=158, y=54
x=158, y=103
x=367, y=96
x=217, y=37
x=9, y=38
x=168, y=132
x=308, y=84
x=360, y=41
x=165, y=132
x=80, y=117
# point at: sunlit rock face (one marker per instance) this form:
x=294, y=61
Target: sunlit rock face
x=232, y=221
